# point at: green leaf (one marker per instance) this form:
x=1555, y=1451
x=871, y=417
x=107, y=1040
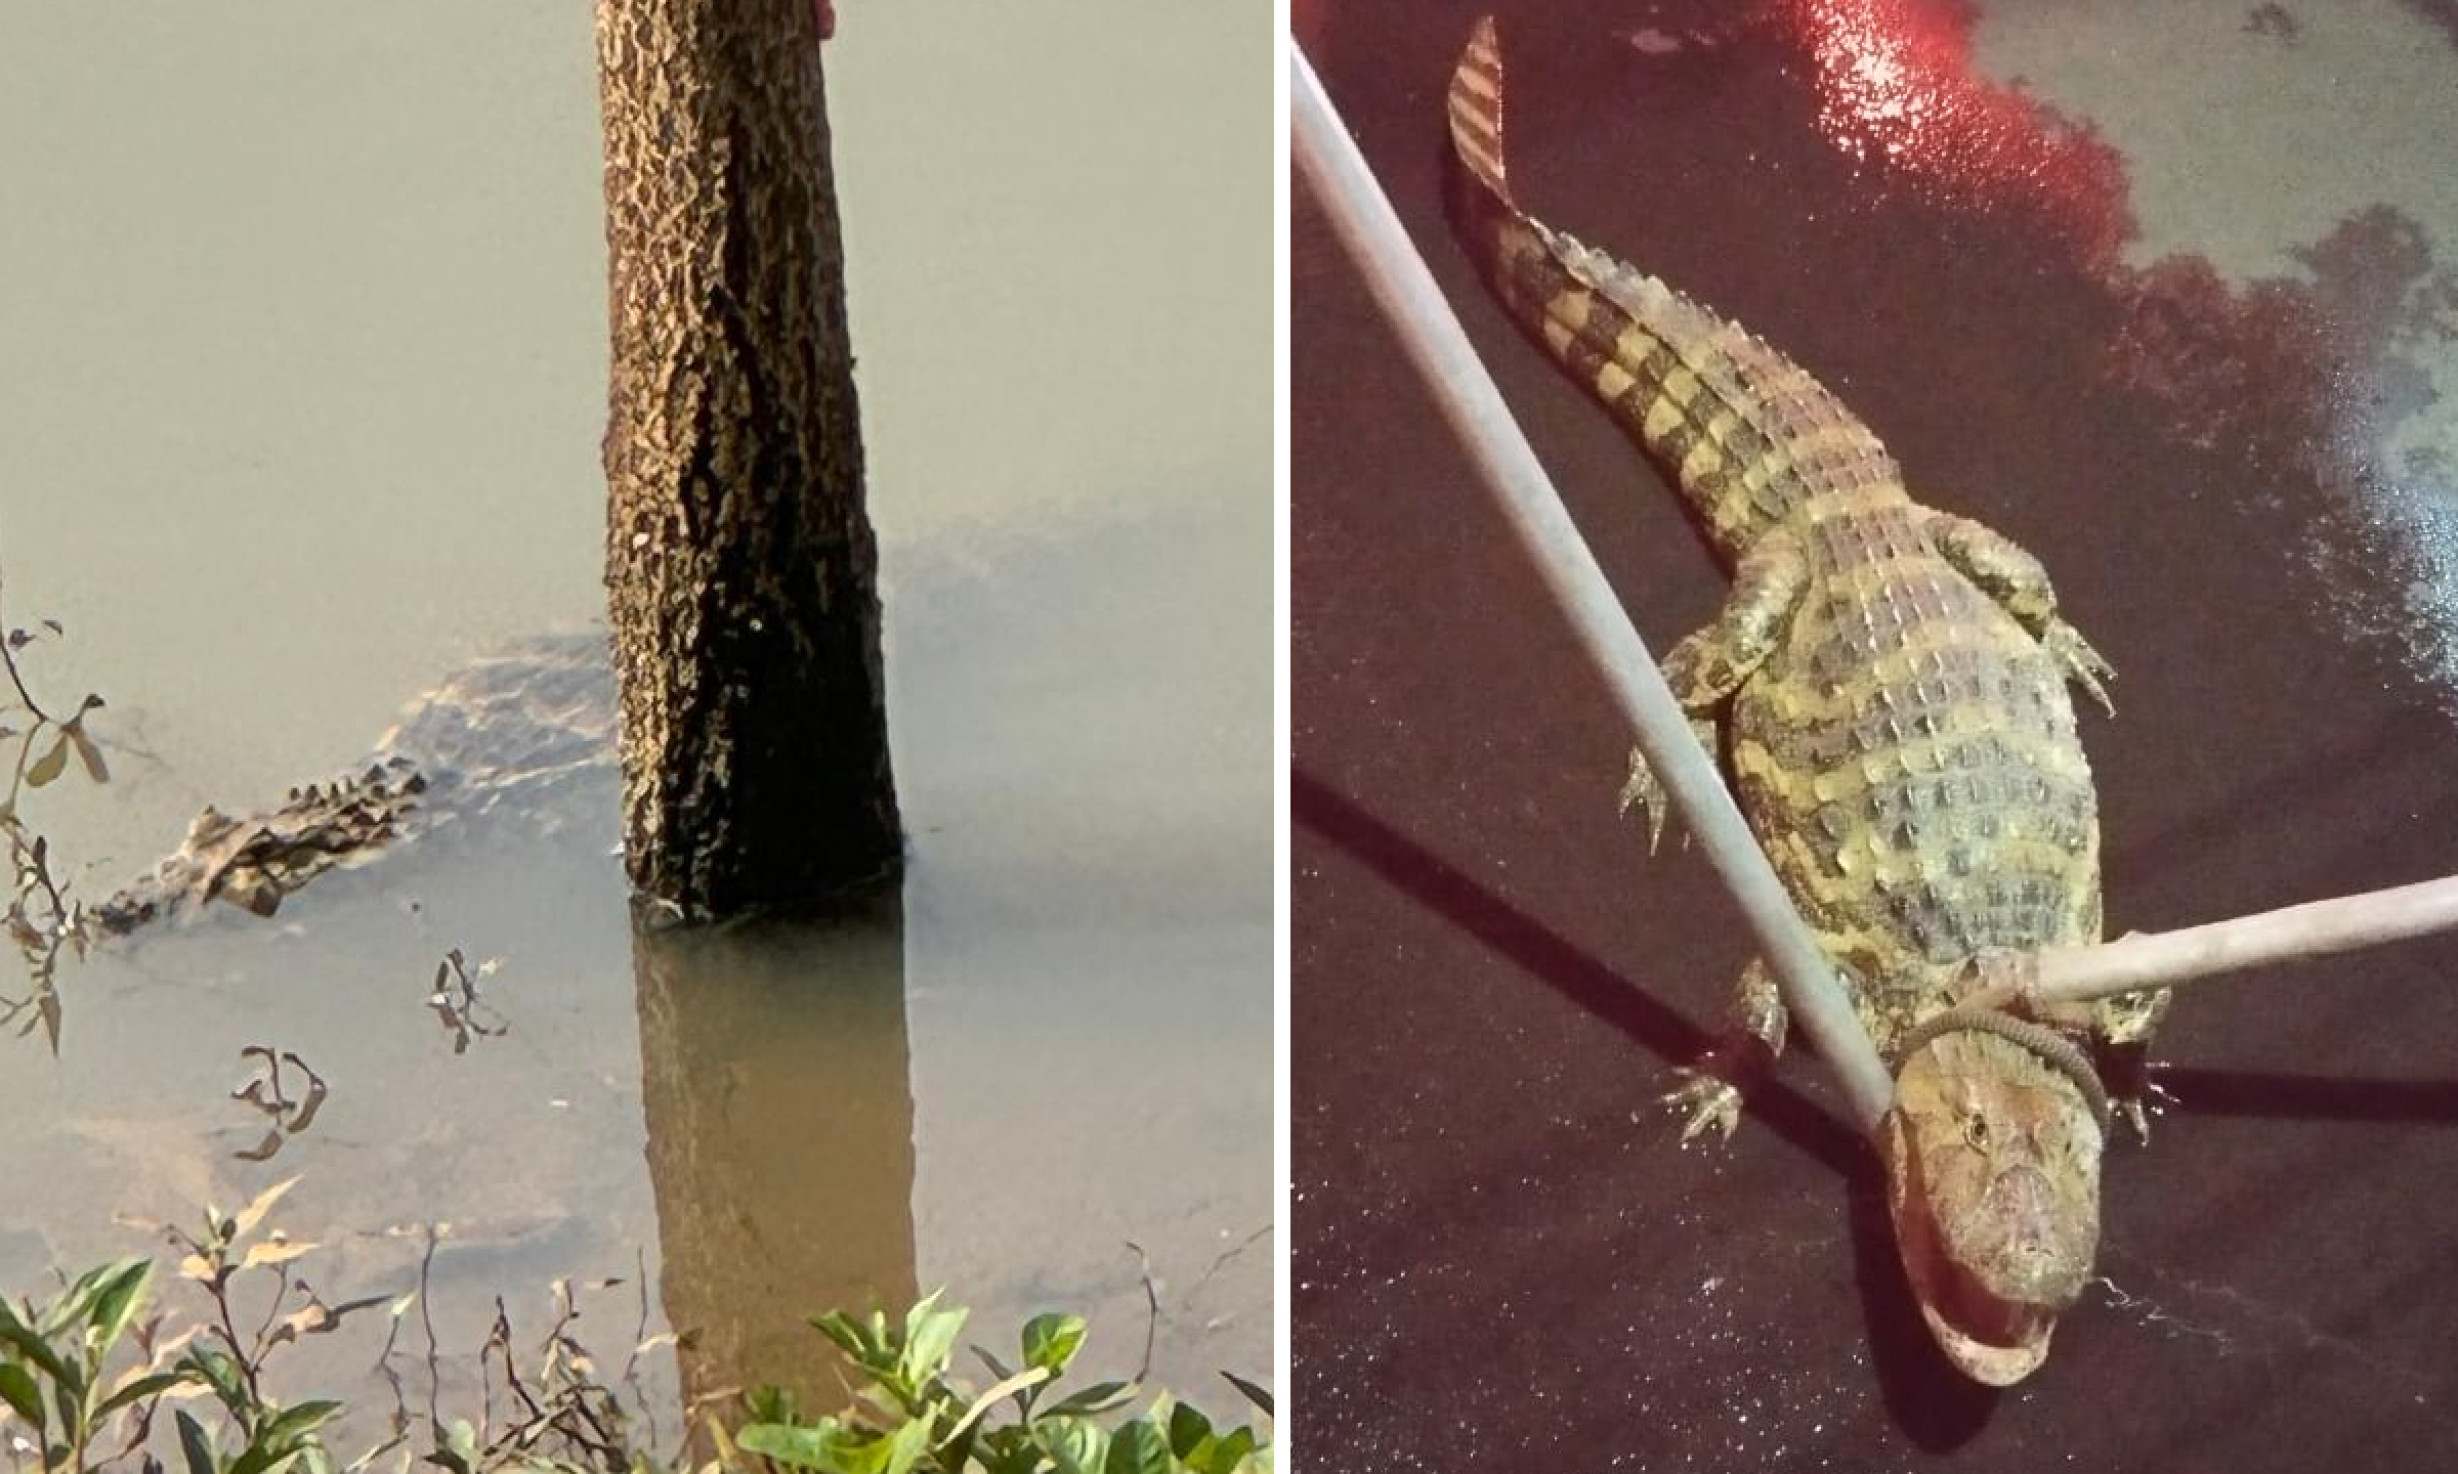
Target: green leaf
x=1138, y=1447
x=905, y=1447
x=1051, y=1340
x=849, y=1336
x=1009, y=1387
x=102, y=1282
x=35, y=1349
x=833, y=1448
x=18, y=1390
x=1219, y=1455
x=1100, y=1397
x=930, y=1334
x=116, y=1301
x=1187, y=1429
x=770, y=1403
x=50, y=765
x=799, y=1448
x=137, y=1391
x=1078, y=1445
x=294, y=1423
x=222, y=1374
x=1024, y=1458
x=1254, y=1394
x=262, y=1460
x=196, y=1443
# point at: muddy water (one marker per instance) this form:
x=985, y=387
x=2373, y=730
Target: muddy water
x=305, y=328
x=2196, y=405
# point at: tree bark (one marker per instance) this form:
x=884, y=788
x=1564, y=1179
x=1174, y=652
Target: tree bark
x=740, y=566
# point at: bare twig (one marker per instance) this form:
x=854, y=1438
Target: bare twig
x=640, y=1339
x=1230, y=1253
x=1152, y=1299
x=426, y=1318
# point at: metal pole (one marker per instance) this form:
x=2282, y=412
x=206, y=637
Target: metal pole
x=1439, y=346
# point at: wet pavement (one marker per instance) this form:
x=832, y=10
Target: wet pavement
x=2216, y=435
x=306, y=340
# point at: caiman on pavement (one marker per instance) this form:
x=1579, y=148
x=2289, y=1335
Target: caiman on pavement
x=1886, y=689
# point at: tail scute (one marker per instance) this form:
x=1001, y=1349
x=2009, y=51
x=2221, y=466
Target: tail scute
x=1476, y=110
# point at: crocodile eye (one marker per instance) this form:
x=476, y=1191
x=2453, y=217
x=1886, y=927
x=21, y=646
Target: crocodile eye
x=1976, y=1131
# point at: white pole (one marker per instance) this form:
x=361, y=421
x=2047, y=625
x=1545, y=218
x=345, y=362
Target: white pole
x=1408, y=295
x=2157, y=959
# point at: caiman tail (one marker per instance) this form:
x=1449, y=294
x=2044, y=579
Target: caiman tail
x=1745, y=432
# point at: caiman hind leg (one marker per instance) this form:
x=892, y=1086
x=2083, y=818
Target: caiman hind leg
x=1709, y=1094
x=2003, y=570
x=1708, y=667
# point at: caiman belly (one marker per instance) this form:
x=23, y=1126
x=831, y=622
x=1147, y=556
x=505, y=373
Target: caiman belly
x=1907, y=756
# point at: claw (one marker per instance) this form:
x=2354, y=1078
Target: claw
x=2084, y=665
x=2140, y=1108
x=1646, y=790
x=1708, y=1099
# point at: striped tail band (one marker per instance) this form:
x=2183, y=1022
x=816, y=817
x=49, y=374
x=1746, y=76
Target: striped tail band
x=1476, y=110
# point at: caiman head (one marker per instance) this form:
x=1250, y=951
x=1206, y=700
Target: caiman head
x=1993, y=1179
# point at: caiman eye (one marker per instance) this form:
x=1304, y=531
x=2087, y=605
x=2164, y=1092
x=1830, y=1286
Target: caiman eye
x=1976, y=1131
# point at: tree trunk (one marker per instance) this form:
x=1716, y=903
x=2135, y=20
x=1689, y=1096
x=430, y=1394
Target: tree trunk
x=740, y=566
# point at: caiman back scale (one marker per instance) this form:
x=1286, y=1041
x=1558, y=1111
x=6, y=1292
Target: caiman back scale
x=1886, y=685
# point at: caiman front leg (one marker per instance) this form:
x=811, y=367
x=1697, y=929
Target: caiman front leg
x=1708, y=667
x=2122, y=1027
x=2119, y=1028
x=1708, y=1094
x=2001, y=569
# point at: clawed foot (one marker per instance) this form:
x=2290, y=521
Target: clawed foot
x=1646, y=790
x=2083, y=664
x=2138, y=1109
x=1706, y=1099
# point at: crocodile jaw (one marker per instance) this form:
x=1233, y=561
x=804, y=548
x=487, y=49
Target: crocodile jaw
x=1991, y=1339
x=1987, y=1362
x=1993, y=1323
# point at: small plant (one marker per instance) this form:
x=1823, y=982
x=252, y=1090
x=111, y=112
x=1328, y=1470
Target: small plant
x=267, y=1090
x=57, y=1363
x=54, y=1361
x=43, y=919
x=916, y=1418
x=83, y=1377
x=455, y=1001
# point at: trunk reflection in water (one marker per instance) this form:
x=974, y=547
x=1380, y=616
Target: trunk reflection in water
x=780, y=1136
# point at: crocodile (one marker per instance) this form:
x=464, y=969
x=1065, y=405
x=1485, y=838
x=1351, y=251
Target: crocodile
x=1885, y=689
x=510, y=731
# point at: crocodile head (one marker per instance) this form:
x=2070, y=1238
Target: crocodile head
x=1993, y=1174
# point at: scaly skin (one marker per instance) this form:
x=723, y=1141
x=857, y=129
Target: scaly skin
x=1887, y=685
x=257, y=859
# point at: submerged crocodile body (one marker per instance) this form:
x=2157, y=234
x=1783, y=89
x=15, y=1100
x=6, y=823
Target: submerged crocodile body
x=1886, y=686
x=513, y=728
